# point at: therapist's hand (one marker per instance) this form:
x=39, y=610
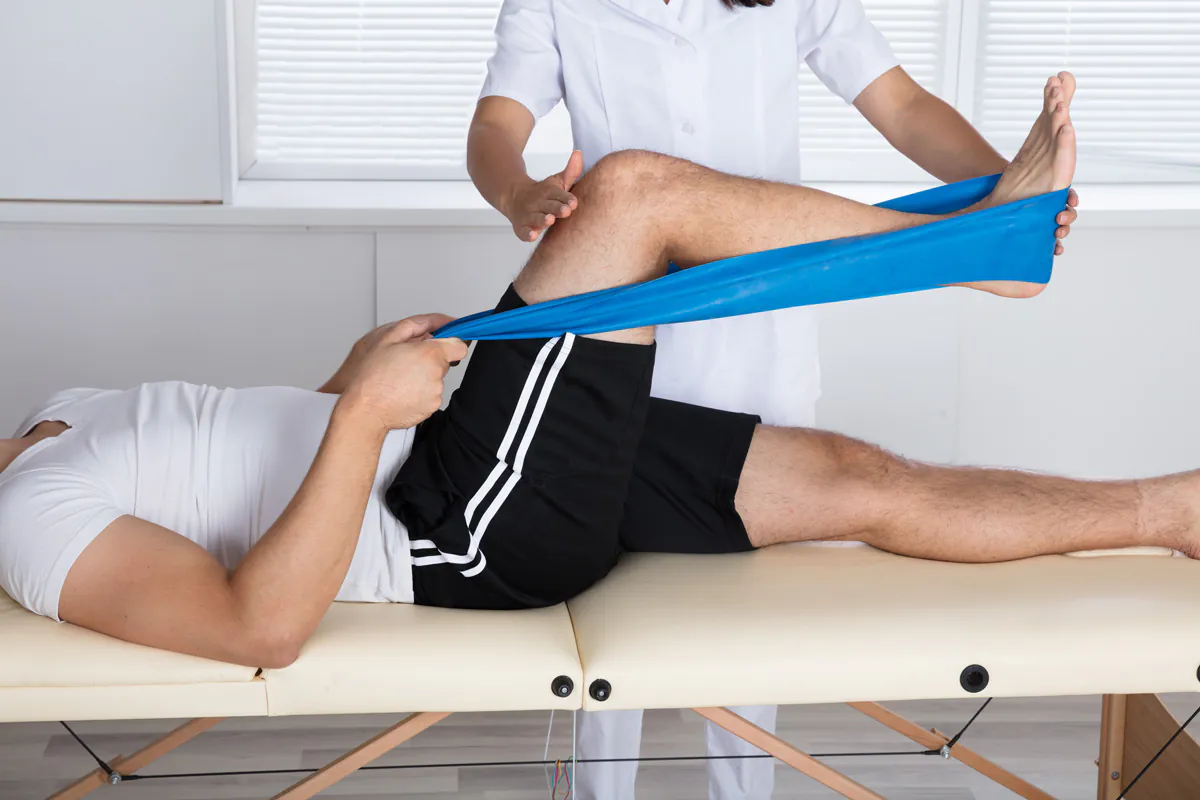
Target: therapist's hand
x=1065, y=219
x=533, y=207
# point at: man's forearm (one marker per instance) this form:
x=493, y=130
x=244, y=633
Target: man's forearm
x=942, y=142
x=495, y=163
x=291, y=576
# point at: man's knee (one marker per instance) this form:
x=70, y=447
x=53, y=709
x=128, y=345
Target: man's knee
x=625, y=176
x=857, y=467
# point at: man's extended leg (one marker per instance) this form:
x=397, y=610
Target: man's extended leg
x=801, y=485
x=639, y=210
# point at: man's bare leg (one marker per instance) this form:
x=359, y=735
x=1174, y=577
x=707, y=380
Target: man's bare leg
x=639, y=210
x=800, y=485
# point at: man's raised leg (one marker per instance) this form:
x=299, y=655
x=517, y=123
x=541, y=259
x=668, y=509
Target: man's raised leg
x=638, y=211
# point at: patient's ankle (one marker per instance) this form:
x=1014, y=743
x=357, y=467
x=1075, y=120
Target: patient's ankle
x=1169, y=512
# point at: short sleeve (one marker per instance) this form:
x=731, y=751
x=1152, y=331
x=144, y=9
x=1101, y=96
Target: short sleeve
x=526, y=66
x=47, y=518
x=843, y=48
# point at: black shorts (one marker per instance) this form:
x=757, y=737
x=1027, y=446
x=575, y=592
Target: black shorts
x=549, y=461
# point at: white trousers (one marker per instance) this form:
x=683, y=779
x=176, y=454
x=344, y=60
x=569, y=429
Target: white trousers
x=618, y=734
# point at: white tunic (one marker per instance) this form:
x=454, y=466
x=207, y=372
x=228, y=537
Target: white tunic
x=696, y=80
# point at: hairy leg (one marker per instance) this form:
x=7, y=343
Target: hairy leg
x=639, y=210
x=800, y=484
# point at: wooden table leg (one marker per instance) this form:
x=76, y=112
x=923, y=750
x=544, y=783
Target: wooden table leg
x=128, y=766
x=362, y=755
x=935, y=740
x=788, y=754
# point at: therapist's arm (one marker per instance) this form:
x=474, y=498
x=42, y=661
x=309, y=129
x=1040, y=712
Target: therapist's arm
x=927, y=129
x=496, y=140
x=931, y=133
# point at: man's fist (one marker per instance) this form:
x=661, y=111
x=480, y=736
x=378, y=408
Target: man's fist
x=399, y=381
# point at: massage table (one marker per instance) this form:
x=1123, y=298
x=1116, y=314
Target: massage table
x=794, y=624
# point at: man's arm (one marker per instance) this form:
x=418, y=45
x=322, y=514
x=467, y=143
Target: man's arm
x=932, y=134
x=143, y=583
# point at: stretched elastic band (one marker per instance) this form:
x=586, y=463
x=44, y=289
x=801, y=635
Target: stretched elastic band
x=1011, y=242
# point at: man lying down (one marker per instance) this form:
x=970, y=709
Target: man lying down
x=223, y=522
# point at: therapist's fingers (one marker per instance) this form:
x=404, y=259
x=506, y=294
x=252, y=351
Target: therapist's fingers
x=554, y=208
x=573, y=170
x=1072, y=198
x=1058, y=249
x=533, y=225
x=565, y=201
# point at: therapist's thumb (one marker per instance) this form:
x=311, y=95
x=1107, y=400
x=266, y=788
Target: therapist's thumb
x=573, y=170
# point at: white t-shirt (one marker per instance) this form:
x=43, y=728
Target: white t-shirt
x=716, y=86
x=217, y=466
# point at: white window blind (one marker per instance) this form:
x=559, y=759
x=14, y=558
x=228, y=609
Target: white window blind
x=369, y=88
x=1137, y=112
x=385, y=89
x=836, y=143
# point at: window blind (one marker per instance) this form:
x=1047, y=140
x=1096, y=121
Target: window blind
x=385, y=89
x=370, y=88
x=836, y=143
x=1137, y=112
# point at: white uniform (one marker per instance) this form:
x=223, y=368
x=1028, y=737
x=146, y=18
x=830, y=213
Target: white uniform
x=718, y=87
x=217, y=466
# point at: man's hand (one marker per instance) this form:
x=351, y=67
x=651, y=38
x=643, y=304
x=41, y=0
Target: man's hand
x=1065, y=220
x=400, y=379
x=417, y=327
x=532, y=207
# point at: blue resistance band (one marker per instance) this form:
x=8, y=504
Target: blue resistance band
x=1011, y=242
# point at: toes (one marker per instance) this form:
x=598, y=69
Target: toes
x=1068, y=84
x=1048, y=96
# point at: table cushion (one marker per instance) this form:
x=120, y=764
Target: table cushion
x=803, y=624
x=52, y=671
x=370, y=658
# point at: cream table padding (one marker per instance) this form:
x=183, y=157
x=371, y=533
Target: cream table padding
x=362, y=659
x=51, y=670
x=368, y=658
x=796, y=624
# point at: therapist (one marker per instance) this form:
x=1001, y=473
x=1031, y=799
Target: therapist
x=715, y=82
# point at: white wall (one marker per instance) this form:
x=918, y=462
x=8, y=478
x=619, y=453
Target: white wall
x=111, y=308
x=112, y=100
x=1097, y=377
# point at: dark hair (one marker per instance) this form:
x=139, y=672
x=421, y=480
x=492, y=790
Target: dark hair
x=747, y=3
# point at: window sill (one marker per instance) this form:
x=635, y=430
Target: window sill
x=396, y=204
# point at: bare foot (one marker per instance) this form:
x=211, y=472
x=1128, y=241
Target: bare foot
x=1045, y=163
